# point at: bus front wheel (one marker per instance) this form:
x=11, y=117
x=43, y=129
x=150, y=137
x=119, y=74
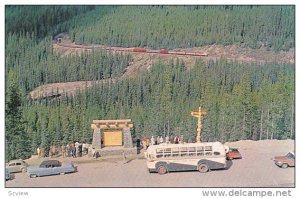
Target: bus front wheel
x=161, y=170
x=203, y=168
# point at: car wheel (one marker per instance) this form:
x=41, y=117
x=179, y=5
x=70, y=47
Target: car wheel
x=284, y=166
x=161, y=170
x=23, y=170
x=203, y=168
x=33, y=176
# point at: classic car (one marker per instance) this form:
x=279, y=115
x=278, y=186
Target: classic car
x=50, y=167
x=285, y=161
x=233, y=153
x=14, y=166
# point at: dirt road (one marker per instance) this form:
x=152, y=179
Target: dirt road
x=256, y=169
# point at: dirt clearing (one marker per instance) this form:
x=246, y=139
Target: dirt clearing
x=255, y=169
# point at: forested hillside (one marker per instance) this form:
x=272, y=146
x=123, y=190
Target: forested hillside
x=36, y=63
x=41, y=21
x=243, y=101
x=188, y=26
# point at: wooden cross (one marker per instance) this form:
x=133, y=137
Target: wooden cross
x=199, y=114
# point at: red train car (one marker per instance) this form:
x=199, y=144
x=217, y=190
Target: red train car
x=138, y=50
x=163, y=51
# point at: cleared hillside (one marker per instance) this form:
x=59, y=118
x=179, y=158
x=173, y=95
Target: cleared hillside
x=142, y=62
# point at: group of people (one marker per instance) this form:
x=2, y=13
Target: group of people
x=70, y=150
x=177, y=139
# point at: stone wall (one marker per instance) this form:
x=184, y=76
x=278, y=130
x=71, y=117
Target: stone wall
x=96, y=144
x=127, y=139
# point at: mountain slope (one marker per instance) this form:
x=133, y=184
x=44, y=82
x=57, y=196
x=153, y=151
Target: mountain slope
x=142, y=62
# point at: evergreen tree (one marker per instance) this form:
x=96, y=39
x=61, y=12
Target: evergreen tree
x=17, y=141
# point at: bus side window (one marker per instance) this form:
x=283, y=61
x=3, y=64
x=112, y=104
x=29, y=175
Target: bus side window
x=208, y=148
x=159, y=152
x=192, y=151
x=183, y=151
x=175, y=152
x=159, y=155
x=200, y=148
x=167, y=152
x=200, y=151
x=167, y=155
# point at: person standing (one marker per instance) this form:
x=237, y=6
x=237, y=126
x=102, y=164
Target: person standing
x=176, y=139
x=42, y=152
x=68, y=150
x=74, y=151
x=53, y=150
x=157, y=140
x=38, y=150
x=63, y=150
x=124, y=156
x=172, y=139
x=147, y=143
x=161, y=140
x=138, y=143
x=50, y=152
x=152, y=140
x=144, y=143
x=181, y=139
x=167, y=139
x=79, y=150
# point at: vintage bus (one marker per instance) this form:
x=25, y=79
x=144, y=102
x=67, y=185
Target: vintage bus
x=203, y=157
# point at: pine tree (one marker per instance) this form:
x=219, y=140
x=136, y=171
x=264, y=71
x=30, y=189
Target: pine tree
x=17, y=141
x=45, y=139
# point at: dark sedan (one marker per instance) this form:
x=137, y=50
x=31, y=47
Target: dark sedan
x=50, y=167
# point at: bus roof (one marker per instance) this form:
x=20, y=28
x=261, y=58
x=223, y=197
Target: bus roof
x=164, y=145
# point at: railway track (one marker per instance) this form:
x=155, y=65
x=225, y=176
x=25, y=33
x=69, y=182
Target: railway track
x=134, y=50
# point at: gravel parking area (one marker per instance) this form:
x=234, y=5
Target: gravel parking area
x=255, y=169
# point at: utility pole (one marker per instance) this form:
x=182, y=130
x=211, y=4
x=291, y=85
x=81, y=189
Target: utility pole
x=198, y=114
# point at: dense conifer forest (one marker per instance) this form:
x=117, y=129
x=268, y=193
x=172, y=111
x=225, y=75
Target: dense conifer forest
x=188, y=26
x=243, y=101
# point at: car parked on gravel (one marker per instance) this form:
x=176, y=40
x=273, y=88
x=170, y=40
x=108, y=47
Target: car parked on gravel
x=15, y=166
x=50, y=167
x=285, y=161
x=233, y=153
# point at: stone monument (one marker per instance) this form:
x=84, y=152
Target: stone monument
x=112, y=137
